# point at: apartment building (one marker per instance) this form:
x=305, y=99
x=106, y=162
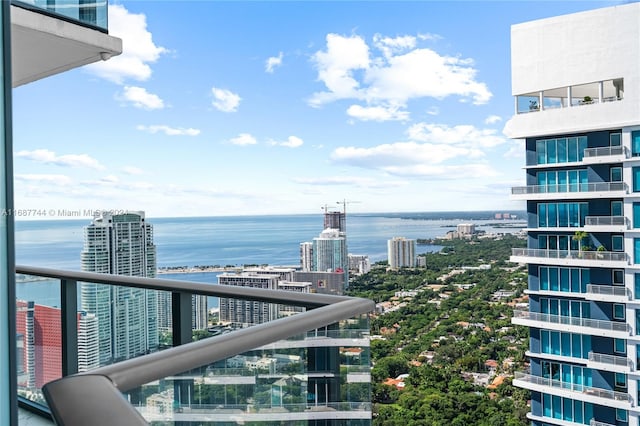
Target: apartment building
x=576, y=85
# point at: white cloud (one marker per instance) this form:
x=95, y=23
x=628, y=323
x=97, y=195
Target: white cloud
x=461, y=134
x=492, y=119
x=225, y=100
x=392, y=73
x=243, y=139
x=434, y=150
x=377, y=113
x=140, y=98
x=349, y=181
x=433, y=111
x=273, y=62
x=57, y=180
x=169, y=131
x=138, y=48
x=131, y=170
x=336, y=67
x=69, y=160
x=291, y=142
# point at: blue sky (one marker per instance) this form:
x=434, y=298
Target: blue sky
x=240, y=108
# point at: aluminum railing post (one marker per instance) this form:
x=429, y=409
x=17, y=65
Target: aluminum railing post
x=69, y=322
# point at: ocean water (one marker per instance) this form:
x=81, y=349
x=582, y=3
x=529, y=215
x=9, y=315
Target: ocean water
x=234, y=241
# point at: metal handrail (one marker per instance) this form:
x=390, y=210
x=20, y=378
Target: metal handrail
x=598, y=392
x=620, y=361
x=608, y=290
x=95, y=397
x=604, y=151
x=580, y=322
x=606, y=220
x=570, y=187
x=612, y=256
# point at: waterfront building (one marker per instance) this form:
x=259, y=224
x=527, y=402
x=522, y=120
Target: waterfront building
x=121, y=244
x=306, y=256
x=576, y=83
x=243, y=313
x=359, y=263
x=466, y=229
x=330, y=253
x=401, y=253
x=322, y=282
x=88, y=347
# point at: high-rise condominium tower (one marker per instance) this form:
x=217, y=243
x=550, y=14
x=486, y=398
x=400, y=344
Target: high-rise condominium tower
x=401, y=252
x=576, y=83
x=121, y=244
x=330, y=253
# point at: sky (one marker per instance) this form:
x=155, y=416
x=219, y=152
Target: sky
x=219, y=108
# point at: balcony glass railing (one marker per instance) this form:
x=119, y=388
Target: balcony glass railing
x=570, y=187
x=609, y=256
x=580, y=322
x=89, y=13
x=619, y=361
x=606, y=151
x=594, y=422
x=597, y=392
x=609, y=290
x=295, y=367
x=606, y=221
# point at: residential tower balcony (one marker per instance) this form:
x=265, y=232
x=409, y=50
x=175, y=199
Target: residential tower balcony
x=580, y=392
x=595, y=327
x=614, y=363
x=296, y=360
x=608, y=154
x=606, y=223
x=605, y=259
x=570, y=191
x=58, y=37
x=608, y=293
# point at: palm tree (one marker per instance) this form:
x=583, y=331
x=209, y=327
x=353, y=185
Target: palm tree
x=579, y=236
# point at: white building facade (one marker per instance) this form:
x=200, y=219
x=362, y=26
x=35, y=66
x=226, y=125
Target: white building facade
x=401, y=253
x=576, y=84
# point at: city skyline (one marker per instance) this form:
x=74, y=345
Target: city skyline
x=238, y=108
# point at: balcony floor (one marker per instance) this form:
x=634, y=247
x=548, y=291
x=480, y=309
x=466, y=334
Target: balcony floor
x=27, y=418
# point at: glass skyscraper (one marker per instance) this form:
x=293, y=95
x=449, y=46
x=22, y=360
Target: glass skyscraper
x=121, y=244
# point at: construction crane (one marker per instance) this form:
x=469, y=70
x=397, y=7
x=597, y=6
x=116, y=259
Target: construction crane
x=344, y=204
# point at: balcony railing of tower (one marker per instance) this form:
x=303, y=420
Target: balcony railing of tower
x=95, y=397
x=620, y=361
x=607, y=151
x=91, y=14
x=607, y=256
x=570, y=187
x=609, y=290
x=597, y=392
x=579, y=322
x=594, y=422
x=606, y=221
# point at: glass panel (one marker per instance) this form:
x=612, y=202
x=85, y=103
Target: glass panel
x=553, y=279
x=586, y=345
x=551, y=151
x=616, y=208
x=636, y=250
x=557, y=407
x=545, y=341
x=541, y=151
x=542, y=242
x=584, y=212
x=636, y=215
x=553, y=242
x=563, y=242
x=617, y=243
x=618, y=277
x=563, y=215
x=618, y=311
x=621, y=415
x=636, y=179
x=588, y=411
x=621, y=380
x=582, y=145
x=555, y=343
x=585, y=279
x=562, y=150
x=562, y=181
x=544, y=278
x=635, y=143
x=576, y=346
x=616, y=174
x=575, y=280
x=586, y=309
x=615, y=139
x=620, y=346
x=577, y=412
x=575, y=308
x=572, y=148
x=565, y=346
x=542, y=215
x=636, y=293
x=573, y=181
x=567, y=409
x=564, y=279
x=638, y=323
x=552, y=181
x=552, y=215
x=546, y=405
x=542, y=178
